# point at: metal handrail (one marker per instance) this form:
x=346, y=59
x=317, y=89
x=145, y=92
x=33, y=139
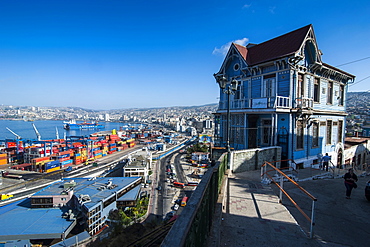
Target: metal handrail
x=314, y=199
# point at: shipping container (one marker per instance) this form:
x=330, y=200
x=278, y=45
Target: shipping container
x=39, y=159
x=52, y=169
x=77, y=162
x=64, y=159
x=66, y=162
x=63, y=156
x=52, y=164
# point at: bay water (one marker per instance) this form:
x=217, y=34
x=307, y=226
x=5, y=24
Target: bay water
x=47, y=129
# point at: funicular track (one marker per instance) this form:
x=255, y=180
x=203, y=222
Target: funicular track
x=153, y=238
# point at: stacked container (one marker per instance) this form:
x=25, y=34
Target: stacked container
x=3, y=159
x=51, y=166
x=77, y=159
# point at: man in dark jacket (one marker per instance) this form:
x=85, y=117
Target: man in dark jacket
x=350, y=180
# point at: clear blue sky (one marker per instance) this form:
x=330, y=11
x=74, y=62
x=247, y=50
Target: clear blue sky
x=121, y=54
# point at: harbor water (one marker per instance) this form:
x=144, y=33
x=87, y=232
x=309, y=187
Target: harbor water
x=48, y=129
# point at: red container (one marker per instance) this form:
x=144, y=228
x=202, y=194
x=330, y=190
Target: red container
x=77, y=144
x=64, y=159
x=64, y=152
x=39, y=159
x=77, y=162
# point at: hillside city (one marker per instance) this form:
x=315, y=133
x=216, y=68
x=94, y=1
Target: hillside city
x=358, y=109
x=358, y=105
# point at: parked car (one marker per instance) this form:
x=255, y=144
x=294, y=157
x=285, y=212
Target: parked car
x=176, y=207
x=367, y=191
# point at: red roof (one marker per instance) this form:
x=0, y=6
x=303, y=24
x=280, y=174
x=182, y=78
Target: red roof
x=281, y=46
x=242, y=50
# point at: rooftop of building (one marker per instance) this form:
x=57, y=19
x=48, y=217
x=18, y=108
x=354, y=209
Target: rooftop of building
x=139, y=160
x=131, y=195
x=20, y=221
x=96, y=189
x=356, y=140
x=278, y=47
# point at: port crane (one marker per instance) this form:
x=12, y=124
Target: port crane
x=18, y=145
x=16, y=135
x=57, y=133
x=37, y=132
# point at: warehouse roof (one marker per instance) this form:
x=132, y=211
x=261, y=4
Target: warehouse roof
x=131, y=195
x=20, y=222
x=97, y=189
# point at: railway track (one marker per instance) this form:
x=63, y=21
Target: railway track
x=153, y=238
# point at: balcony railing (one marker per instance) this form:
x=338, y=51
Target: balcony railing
x=304, y=103
x=257, y=103
x=282, y=102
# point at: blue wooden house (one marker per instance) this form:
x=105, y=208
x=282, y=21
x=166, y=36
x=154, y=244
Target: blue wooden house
x=366, y=131
x=286, y=96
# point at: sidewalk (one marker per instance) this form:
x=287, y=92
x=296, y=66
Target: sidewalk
x=251, y=215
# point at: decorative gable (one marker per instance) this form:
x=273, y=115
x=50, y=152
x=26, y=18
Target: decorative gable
x=234, y=63
x=309, y=51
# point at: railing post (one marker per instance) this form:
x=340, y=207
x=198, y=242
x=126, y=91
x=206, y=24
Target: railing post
x=282, y=187
x=312, y=218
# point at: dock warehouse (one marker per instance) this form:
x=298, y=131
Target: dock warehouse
x=53, y=212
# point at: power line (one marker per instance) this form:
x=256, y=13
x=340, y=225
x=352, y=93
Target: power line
x=360, y=81
x=353, y=61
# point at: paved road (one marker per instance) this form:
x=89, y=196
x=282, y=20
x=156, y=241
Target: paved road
x=339, y=221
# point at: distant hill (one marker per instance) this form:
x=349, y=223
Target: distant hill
x=208, y=107
x=361, y=99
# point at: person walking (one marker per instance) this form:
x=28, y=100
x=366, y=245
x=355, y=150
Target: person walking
x=350, y=180
x=326, y=160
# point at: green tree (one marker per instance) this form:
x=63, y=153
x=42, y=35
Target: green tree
x=199, y=147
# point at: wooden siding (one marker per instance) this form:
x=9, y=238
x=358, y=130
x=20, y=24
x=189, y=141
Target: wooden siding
x=246, y=90
x=283, y=84
x=323, y=105
x=256, y=87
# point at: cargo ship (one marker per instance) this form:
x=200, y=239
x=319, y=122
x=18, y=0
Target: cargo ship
x=72, y=125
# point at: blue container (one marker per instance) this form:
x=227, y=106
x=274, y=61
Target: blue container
x=52, y=164
x=63, y=156
x=66, y=162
